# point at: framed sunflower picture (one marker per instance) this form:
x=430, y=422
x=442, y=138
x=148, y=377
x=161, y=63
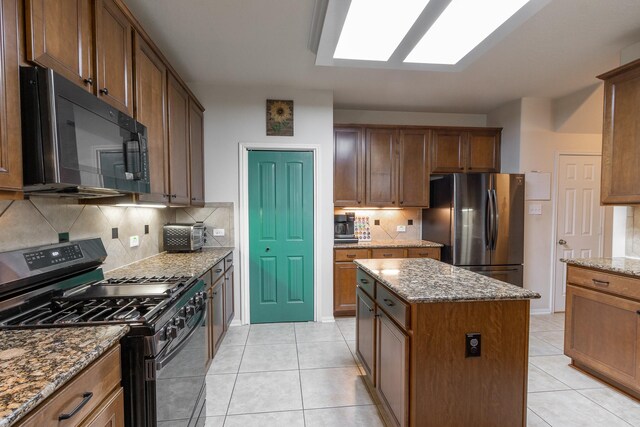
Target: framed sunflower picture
x=279, y=118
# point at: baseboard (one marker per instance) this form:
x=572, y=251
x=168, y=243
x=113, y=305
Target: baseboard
x=328, y=319
x=540, y=311
x=236, y=322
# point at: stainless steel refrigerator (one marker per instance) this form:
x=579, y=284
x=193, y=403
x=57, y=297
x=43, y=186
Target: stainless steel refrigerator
x=479, y=218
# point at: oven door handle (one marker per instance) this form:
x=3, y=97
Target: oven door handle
x=165, y=359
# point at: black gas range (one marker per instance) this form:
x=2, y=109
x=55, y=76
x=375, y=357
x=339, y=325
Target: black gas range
x=163, y=355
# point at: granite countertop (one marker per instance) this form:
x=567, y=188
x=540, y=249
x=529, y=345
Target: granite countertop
x=388, y=244
x=424, y=280
x=621, y=265
x=172, y=264
x=35, y=363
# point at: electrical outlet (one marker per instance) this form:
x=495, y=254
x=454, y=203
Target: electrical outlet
x=218, y=232
x=146, y=229
x=535, y=209
x=473, y=345
x=134, y=241
x=401, y=228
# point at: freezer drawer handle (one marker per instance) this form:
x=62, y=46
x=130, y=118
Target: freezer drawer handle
x=389, y=303
x=600, y=282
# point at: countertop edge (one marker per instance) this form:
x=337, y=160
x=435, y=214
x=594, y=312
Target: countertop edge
x=596, y=265
x=384, y=245
x=60, y=381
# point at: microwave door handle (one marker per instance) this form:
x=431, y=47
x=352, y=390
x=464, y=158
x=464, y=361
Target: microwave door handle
x=140, y=156
x=131, y=175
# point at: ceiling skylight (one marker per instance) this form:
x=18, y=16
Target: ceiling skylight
x=460, y=28
x=373, y=29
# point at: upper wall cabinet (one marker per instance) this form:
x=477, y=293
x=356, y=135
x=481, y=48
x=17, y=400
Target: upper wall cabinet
x=151, y=109
x=381, y=167
x=464, y=150
x=59, y=35
x=413, y=154
x=196, y=153
x=621, y=136
x=10, y=136
x=114, y=56
x=348, y=166
x=179, y=159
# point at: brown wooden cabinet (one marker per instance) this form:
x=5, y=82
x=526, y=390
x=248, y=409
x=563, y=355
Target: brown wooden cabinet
x=602, y=326
x=196, y=153
x=366, y=332
x=381, y=173
x=114, y=57
x=150, y=110
x=348, y=166
x=207, y=278
x=105, y=407
x=59, y=35
x=392, y=369
x=10, y=133
x=178, y=123
x=217, y=313
x=621, y=136
x=464, y=150
x=228, y=297
x=413, y=177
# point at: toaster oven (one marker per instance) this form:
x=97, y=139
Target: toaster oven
x=183, y=237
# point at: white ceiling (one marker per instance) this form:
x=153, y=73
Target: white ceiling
x=264, y=42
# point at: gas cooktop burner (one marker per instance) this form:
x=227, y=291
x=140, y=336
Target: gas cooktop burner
x=144, y=280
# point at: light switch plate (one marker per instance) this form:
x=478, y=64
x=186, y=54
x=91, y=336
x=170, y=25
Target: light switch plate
x=535, y=209
x=401, y=228
x=134, y=241
x=218, y=231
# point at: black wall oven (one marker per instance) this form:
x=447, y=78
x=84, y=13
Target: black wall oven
x=77, y=144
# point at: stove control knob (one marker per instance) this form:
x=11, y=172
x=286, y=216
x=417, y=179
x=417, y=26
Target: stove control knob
x=170, y=332
x=190, y=310
x=199, y=302
x=179, y=322
x=182, y=312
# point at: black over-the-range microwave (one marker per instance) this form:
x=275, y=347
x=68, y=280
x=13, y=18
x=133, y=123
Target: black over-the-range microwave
x=75, y=144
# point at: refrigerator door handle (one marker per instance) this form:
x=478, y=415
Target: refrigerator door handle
x=496, y=219
x=489, y=222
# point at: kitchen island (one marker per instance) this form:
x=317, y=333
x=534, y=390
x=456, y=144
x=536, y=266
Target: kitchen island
x=442, y=346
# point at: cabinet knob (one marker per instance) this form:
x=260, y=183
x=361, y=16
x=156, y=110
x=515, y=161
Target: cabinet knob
x=393, y=202
x=193, y=199
x=174, y=196
x=88, y=81
x=104, y=91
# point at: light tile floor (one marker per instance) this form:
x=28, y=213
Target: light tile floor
x=306, y=374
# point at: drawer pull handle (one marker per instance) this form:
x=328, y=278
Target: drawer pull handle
x=351, y=255
x=388, y=302
x=600, y=283
x=638, y=311
x=364, y=281
x=387, y=255
x=218, y=270
x=86, y=397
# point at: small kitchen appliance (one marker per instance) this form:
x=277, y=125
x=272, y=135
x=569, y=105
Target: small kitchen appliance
x=183, y=237
x=165, y=350
x=344, y=228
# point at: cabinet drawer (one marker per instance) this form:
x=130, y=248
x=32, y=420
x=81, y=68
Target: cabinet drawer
x=423, y=253
x=228, y=261
x=365, y=282
x=395, y=307
x=99, y=379
x=387, y=253
x=606, y=282
x=217, y=271
x=351, y=254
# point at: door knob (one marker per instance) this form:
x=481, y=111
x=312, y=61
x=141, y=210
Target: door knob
x=268, y=249
x=562, y=242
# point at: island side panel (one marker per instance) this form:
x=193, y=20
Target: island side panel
x=449, y=389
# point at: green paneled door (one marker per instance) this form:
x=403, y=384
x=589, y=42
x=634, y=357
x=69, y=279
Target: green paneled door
x=281, y=236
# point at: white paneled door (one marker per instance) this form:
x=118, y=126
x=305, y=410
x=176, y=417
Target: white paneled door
x=580, y=217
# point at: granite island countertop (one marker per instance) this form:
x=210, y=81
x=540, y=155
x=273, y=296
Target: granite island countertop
x=425, y=280
x=374, y=244
x=36, y=363
x=620, y=265
x=172, y=264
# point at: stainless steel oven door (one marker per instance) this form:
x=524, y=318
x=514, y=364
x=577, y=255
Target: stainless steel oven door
x=180, y=375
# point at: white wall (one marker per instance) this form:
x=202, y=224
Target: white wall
x=508, y=117
x=405, y=118
x=237, y=114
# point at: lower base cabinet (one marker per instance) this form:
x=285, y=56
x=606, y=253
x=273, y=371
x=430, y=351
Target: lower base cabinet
x=219, y=286
x=228, y=298
x=217, y=313
x=366, y=333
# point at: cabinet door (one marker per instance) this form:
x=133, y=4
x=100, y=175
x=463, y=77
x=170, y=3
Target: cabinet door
x=348, y=167
x=447, y=151
x=228, y=297
x=150, y=110
x=209, y=336
x=602, y=332
x=59, y=36
x=178, y=118
x=392, y=364
x=380, y=167
x=414, y=168
x=114, y=58
x=217, y=311
x=483, y=151
x=111, y=414
x=366, y=333
x=10, y=136
x=344, y=288
x=196, y=153
x=621, y=136
x=423, y=253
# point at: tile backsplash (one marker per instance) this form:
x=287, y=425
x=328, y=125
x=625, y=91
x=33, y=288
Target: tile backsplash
x=38, y=221
x=214, y=216
x=389, y=220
